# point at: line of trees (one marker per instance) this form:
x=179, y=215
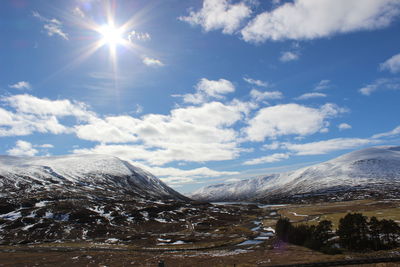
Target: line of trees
x=355, y=232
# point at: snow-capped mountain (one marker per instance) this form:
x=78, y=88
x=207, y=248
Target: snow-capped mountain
x=82, y=197
x=369, y=172
x=84, y=175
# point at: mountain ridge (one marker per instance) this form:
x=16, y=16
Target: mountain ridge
x=358, y=170
x=86, y=173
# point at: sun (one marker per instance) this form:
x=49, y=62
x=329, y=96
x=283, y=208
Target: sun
x=111, y=35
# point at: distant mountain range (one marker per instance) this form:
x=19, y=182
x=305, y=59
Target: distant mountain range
x=371, y=172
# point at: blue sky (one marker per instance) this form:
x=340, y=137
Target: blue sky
x=199, y=92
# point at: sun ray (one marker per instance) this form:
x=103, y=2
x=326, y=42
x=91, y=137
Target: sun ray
x=105, y=32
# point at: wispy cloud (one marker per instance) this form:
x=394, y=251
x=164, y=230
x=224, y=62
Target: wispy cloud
x=78, y=12
x=322, y=85
x=394, y=132
x=21, y=85
x=311, y=95
x=52, y=26
x=260, y=96
x=380, y=84
x=152, y=62
x=326, y=146
x=268, y=159
x=289, y=56
x=392, y=64
x=256, y=82
x=344, y=126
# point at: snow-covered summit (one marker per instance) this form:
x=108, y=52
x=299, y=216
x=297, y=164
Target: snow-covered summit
x=375, y=167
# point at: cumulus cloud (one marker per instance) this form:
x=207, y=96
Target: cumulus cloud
x=42, y=106
x=52, y=26
x=260, y=96
x=21, y=85
x=207, y=89
x=194, y=133
x=380, y=84
x=152, y=62
x=289, y=119
x=320, y=18
x=268, y=159
x=256, y=82
x=26, y=114
x=289, y=56
x=344, y=126
x=392, y=64
x=310, y=95
x=219, y=14
x=22, y=148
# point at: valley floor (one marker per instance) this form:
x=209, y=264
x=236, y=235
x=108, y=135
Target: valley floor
x=260, y=256
x=201, y=251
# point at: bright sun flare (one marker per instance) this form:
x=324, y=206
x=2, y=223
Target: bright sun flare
x=111, y=35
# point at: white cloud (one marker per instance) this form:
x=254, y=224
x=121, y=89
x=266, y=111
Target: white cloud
x=78, y=12
x=22, y=148
x=21, y=85
x=52, y=26
x=45, y=146
x=310, y=19
x=140, y=36
x=138, y=109
x=110, y=130
x=256, y=82
x=268, y=159
x=152, y=62
x=272, y=146
x=260, y=96
x=392, y=64
x=381, y=84
x=394, y=132
x=215, y=88
x=289, y=119
x=31, y=114
x=194, y=133
x=42, y=106
x=174, y=176
x=322, y=85
x=206, y=89
x=219, y=14
x=310, y=95
x=327, y=146
x=289, y=56
x=344, y=126
x=232, y=180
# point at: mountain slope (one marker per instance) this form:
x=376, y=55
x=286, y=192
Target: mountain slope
x=83, y=197
x=369, y=172
x=83, y=175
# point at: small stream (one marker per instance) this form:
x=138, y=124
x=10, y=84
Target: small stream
x=264, y=233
